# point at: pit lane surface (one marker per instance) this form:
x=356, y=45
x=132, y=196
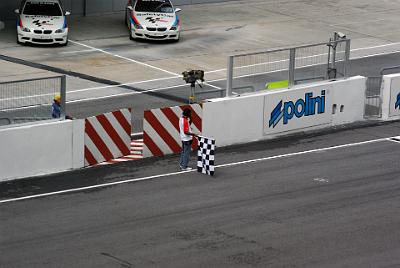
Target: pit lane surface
x=330, y=208
x=100, y=53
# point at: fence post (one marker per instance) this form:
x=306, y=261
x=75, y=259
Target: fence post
x=347, y=59
x=292, y=66
x=63, y=95
x=229, y=77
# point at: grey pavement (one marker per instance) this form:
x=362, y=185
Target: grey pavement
x=335, y=208
x=369, y=66
x=211, y=32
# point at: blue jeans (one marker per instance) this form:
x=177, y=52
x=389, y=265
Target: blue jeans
x=185, y=154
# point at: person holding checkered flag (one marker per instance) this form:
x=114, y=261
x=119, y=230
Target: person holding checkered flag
x=186, y=137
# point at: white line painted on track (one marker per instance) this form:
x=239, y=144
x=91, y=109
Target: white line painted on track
x=321, y=180
x=134, y=61
x=170, y=87
x=124, y=94
x=378, y=46
x=358, y=22
x=395, y=139
x=182, y=85
x=224, y=70
x=124, y=58
x=190, y=171
x=78, y=51
x=377, y=54
x=352, y=58
x=303, y=152
x=124, y=84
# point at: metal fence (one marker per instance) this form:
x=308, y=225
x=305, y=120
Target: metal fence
x=373, y=93
x=373, y=98
x=289, y=66
x=30, y=100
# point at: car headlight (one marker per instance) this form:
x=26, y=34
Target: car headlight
x=24, y=29
x=60, y=31
x=174, y=28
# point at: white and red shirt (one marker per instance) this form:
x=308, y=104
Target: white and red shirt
x=184, y=127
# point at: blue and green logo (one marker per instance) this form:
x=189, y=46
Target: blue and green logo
x=397, y=104
x=302, y=107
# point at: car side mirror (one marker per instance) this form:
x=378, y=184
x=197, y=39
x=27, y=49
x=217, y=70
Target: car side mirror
x=130, y=8
x=178, y=9
x=67, y=13
x=16, y=11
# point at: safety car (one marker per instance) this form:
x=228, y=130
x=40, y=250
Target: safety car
x=42, y=22
x=153, y=20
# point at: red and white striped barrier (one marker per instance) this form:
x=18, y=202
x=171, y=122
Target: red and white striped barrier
x=161, y=129
x=136, y=154
x=107, y=136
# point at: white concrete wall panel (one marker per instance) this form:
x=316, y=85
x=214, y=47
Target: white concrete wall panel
x=234, y=121
x=78, y=143
x=349, y=98
x=394, y=108
x=41, y=149
x=391, y=97
x=247, y=118
x=386, y=94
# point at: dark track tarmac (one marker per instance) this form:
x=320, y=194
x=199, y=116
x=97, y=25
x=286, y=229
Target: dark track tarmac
x=336, y=208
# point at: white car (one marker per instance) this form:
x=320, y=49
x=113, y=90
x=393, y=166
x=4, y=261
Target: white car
x=153, y=19
x=42, y=22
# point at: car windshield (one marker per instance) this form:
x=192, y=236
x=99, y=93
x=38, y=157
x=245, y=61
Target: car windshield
x=42, y=9
x=161, y=6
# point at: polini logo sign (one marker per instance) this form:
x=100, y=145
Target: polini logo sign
x=302, y=107
x=397, y=105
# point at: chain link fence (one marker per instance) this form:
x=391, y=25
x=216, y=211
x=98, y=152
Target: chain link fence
x=288, y=67
x=30, y=100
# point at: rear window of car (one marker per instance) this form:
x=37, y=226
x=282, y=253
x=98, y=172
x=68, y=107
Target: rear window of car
x=161, y=6
x=42, y=9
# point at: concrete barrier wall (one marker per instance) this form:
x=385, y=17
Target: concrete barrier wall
x=349, y=99
x=41, y=149
x=391, y=97
x=284, y=111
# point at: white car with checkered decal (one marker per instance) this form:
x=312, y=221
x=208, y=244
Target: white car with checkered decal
x=42, y=22
x=153, y=20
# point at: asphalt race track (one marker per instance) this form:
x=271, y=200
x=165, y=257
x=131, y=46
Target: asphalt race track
x=325, y=208
x=327, y=198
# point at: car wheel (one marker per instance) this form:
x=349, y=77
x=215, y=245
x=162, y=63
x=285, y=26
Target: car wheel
x=65, y=44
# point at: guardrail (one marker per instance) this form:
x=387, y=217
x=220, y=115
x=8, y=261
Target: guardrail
x=31, y=99
x=328, y=60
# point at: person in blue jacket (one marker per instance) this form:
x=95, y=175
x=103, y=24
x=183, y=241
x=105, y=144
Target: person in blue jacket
x=56, y=107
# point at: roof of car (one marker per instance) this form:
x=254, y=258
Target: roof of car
x=48, y=1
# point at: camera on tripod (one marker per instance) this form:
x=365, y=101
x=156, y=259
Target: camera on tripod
x=193, y=76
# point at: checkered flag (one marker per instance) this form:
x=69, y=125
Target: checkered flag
x=205, y=156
